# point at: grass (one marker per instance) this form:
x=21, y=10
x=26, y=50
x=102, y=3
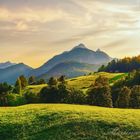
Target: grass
x=84, y=82
x=68, y=122
x=35, y=88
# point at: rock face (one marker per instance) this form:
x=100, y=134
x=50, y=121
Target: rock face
x=79, y=54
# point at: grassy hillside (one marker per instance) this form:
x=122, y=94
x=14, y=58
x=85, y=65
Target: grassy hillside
x=68, y=122
x=82, y=82
x=35, y=88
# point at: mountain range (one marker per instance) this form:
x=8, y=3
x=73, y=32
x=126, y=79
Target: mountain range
x=78, y=61
x=6, y=64
x=11, y=73
x=70, y=69
x=79, y=54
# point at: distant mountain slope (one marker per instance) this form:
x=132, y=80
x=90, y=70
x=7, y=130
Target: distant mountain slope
x=11, y=73
x=70, y=69
x=6, y=65
x=78, y=54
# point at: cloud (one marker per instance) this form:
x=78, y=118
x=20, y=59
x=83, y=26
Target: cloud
x=26, y=16
x=54, y=23
x=21, y=26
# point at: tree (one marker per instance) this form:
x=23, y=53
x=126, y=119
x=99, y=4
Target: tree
x=31, y=80
x=100, y=93
x=75, y=96
x=63, y=92
x=62, y=79
x=15, y=99
x=41, y=81
x=17, y=88
x=31, y=97
x=101, y=80
x=100, y=96
x=4, y=90
x=126, y=64
x=49, y=94
x=52, y=82
x=135, y=97
x=102, y=68
x=123, y=100
x=23, y=80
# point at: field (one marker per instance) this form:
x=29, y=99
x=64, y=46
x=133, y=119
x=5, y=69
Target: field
x=35, y=88
x=82, y=82
x=68, y=122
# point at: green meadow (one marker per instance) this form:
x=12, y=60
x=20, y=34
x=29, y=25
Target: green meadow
x=68, y=122
x=82, y=82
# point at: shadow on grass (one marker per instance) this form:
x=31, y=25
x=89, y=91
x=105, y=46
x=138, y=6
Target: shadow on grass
x=55, y=126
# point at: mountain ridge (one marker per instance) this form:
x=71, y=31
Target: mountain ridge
x=70, y=70
x=6, y=64
x=79, y=53
x=10, y=74
x=78, y=61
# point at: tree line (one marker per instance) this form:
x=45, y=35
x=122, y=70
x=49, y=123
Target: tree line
x=12, y=95
x=124, y=93
x=126, y=64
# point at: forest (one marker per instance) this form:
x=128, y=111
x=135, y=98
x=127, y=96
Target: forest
x=123, y=93
x=126, y=64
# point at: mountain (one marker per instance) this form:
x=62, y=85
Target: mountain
x=70, y=69
x=79, y=54
x=10, y=74
x=6, y=65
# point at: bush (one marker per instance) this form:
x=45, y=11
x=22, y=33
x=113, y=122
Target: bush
x=49, y=95
x=32, y=97
x=15, y=99
x=76, y=96
x=100, y=96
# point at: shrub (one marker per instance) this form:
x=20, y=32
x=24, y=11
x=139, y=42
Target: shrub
x=49, y=95
x=4, y=90
x=32, y=97
x=76, y=96
x=15, y=99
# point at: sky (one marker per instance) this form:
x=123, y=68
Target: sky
x=33, y=31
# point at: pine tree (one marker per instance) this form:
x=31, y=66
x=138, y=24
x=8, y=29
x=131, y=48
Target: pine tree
x=52, y=82
x=17, y=88
x=23, y=80
x=41, y=81
x=31, y=80
x=62, y=80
